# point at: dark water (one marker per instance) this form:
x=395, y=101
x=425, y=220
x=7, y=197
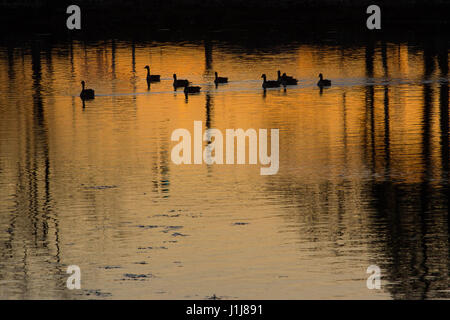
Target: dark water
x=363, y=175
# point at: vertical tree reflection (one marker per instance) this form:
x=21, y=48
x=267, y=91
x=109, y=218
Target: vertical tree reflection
x=409, y=216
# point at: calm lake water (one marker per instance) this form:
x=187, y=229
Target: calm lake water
x=363, y=175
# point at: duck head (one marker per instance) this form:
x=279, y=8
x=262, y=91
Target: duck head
x=320, y=76
x=146, y=67
x=174, y=76
x=82, y=84
x=215, y=73
x=263, y=76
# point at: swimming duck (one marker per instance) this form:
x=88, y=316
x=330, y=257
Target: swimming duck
x=323, y=82
x=220, y=79
x=153, y=77
x=287, y=80
x=86, y=93
x=191, y=89
x=285, y=77
x=179, y=83
x=270, y=83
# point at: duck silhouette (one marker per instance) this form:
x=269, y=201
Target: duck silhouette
x=152, y=77
x=323, y=82
x=179, y=82
x=86, y=94
x=218, y=79
x=270, y=83
x=286, y=80
x=191, y=89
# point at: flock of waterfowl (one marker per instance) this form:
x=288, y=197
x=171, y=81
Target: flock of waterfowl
x=282, y=80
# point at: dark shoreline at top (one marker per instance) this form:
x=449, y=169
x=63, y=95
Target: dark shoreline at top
x=154, y=19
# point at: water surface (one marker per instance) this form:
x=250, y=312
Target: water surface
x=363, y=175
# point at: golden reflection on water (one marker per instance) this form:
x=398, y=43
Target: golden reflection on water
x=363, y=172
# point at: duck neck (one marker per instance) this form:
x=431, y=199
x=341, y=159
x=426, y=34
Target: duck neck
x=82, y=86
x=148, y=71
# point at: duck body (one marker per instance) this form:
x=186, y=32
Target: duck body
x=286, y=80
x=191, y=89
x=152, y=77
x=179, y=82
x=323, y=82
x=86, y=94
x=270, y=83
x=220, y=79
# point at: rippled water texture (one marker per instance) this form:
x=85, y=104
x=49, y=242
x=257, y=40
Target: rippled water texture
x=363, y=175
